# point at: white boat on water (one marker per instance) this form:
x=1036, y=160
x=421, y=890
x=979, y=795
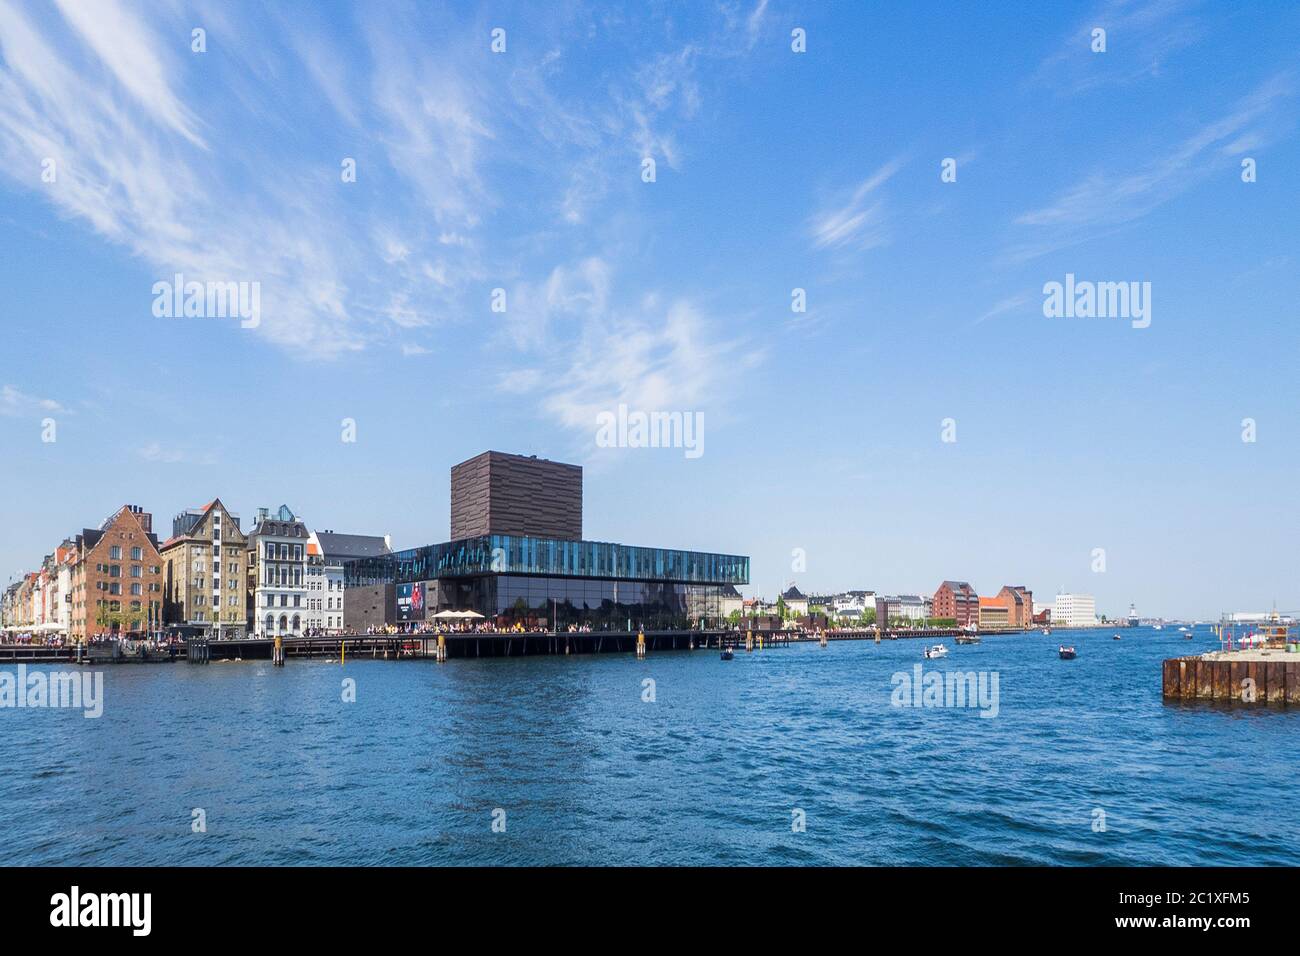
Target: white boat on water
x=937, y=651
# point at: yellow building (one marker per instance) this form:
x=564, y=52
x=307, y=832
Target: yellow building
x=205, y=577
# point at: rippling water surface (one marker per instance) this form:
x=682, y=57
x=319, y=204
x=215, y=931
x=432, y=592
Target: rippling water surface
x=587, y=772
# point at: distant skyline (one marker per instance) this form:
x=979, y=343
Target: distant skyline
x=775, y=171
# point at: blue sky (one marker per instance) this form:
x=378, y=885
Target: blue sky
x=775, y=170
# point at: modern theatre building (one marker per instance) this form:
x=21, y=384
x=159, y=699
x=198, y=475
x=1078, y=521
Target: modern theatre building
x=518, y=557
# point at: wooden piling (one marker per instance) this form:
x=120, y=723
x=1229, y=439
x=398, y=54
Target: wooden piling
x=1274, y=682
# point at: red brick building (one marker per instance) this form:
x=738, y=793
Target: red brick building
x=117, y=577
x=1020, y=605
x=957, y=600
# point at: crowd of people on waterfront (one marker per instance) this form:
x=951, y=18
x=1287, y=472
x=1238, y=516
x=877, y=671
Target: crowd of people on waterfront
x=36, y=640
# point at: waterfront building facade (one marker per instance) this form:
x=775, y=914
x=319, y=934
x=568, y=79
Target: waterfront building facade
x=732, y=602
x=853, y=604
x=205, y=576
x=1074, y=610
x=277, y=574
x=532, y=577
x=63, y=585
x=994, y=613
x=796, y=602
x=327, y=553
x=9, y=614
x=498, y=493
x=116, y=577
x=957, y=600
x=902, y=608
x=1019, y=601
x=324, y=591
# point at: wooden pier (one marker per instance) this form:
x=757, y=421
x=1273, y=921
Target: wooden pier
x=106, y=653
x=1234, y=678
x=203, y=650
x=36, y=653
x=443, y=645
x=470, y=644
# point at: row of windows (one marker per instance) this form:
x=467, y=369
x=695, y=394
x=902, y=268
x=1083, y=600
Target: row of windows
x=287, y=552
x=513, y=554
x=115, y=588
x=115, y=570
x=282, y=578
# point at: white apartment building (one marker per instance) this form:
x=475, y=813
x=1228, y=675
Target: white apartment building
x=277, y=552
x=1074, y=610
x=324, y=589
x=854, y=603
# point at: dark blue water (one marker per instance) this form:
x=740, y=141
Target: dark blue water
x=709, y=773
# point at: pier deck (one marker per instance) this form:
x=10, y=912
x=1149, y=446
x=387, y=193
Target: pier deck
x=458, y=644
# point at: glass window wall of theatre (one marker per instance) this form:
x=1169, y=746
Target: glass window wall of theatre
x=508, y=554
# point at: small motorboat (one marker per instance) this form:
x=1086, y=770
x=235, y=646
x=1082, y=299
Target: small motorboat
x=968, y=639
x=1117, y=638
x=728, y=653
x=1067, y=653
x=1047, y=631
x=937, y=651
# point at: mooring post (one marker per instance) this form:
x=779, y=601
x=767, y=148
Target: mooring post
x=441, y=653
x=277, y=653
x=640, y=643
x=749, y=640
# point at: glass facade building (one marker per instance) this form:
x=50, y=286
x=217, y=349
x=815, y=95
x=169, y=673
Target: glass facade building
x=534, y=580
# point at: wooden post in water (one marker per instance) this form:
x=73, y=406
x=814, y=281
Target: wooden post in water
x=749, y=640
x=441, y=654
x=640, y=643
x=277, y=652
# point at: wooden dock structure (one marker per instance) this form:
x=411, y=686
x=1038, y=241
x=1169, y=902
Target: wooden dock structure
x=460, y=644
x=1242, y=678
x=472, y=644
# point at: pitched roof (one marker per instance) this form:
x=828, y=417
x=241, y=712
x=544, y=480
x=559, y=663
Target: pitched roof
x=792, y=593
x=352, y=545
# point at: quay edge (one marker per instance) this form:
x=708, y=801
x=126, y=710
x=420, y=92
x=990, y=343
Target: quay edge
x=1233, y=680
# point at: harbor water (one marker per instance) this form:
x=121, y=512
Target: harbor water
x=799, y=755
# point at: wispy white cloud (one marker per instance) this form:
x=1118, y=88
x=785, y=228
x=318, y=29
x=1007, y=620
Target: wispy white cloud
x=1142, y=36
x=580, y=290
x=658, y=355
x=446, y=137
x=1002, y=307
x=153, y=188
x=860, y=221
x=16, y=403
x=1107, y=200
x=132, y=52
